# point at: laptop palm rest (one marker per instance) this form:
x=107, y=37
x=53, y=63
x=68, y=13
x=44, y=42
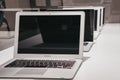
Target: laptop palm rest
x=31, y=71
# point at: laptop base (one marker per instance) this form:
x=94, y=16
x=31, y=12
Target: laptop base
x=39, y=73
x=88, y=46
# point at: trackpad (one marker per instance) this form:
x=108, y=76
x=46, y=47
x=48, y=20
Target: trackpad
x=31, y=71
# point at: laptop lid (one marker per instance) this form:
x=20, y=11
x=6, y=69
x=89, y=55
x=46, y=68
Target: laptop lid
x=49, y=34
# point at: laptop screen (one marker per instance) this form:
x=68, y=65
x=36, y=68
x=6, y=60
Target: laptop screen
x=96, y=18
x=51, y=34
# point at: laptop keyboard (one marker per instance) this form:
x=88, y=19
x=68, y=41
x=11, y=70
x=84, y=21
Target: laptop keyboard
x=42, y=64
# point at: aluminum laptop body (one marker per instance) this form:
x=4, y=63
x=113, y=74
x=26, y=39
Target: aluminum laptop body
x=65, y=30
x=89, y=25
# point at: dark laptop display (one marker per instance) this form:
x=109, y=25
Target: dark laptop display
x=103, y=16
x=89, y=22
x=49, y=34
x=96, y=19
x=100, y=17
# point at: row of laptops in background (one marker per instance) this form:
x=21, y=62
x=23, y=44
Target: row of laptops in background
x=94, y=22
x=49, y=44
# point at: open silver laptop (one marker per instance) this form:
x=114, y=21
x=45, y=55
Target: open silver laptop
x=48, y=45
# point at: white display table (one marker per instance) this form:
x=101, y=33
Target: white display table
x=102, y=62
